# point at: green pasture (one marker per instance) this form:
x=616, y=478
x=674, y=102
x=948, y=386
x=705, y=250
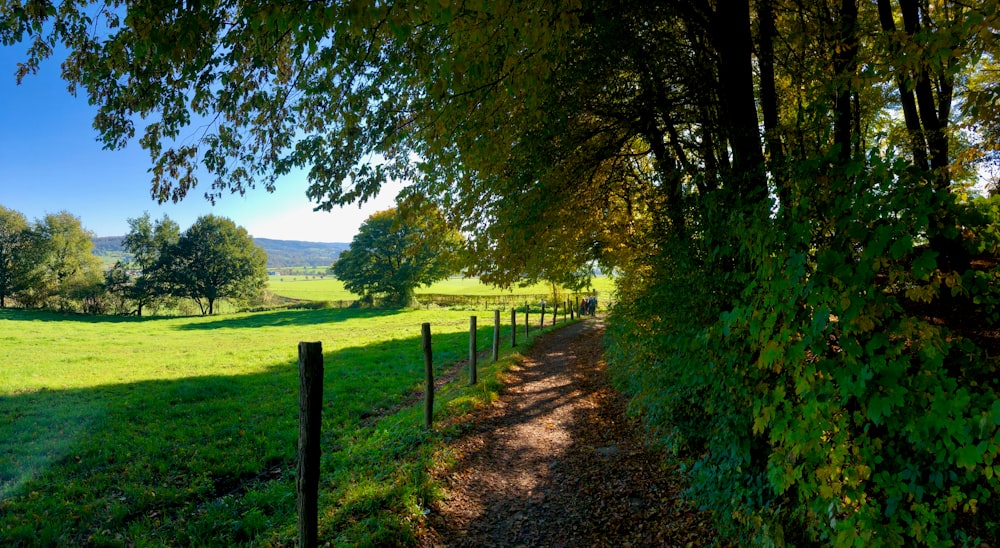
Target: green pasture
x=330, y=289
x=310, y=288
x=182, y=431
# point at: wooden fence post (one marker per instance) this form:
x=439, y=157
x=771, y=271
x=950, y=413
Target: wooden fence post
x=310, y=422
x=496, y=335
x=555, y=313
x=472, y=350
x=541, y=322
x=513, y=327
x=425, y=331
x=527, y=324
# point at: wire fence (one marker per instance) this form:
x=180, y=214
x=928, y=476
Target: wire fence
x=504, y=302
x=530, y=302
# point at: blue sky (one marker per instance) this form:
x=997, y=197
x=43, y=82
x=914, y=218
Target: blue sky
x=50, y=161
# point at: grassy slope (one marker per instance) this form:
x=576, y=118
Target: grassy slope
x=183, y=430
x=330, y=289
x=310, y=288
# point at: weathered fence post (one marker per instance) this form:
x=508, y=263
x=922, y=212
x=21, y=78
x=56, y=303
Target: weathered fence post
x=425, y=331
x=310, y=421
x=496, y=335
x=513, y=327
x=472, y=350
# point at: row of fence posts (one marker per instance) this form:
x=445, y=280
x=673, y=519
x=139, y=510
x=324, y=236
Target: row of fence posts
x=311, y=406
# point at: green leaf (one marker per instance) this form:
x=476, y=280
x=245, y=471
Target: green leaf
x=878, y=408
x=901, y=247
x=770, y=355
x=969, y=456
x=925, y=264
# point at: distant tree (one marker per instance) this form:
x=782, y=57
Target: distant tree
x=71, y=269
x=87, y=292
x=215, y=259
x=397, y=250
x=142, y=278
x=20, y=251
x=119, y=285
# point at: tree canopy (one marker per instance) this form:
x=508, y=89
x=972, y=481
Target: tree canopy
x=214, y=259
x=21, y=252
x=71, y=272
x=50, y=264
x=783, y=186
x=397, y=250
x=143, y=278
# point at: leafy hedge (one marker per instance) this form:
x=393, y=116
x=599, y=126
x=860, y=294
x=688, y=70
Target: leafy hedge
x=836, y=384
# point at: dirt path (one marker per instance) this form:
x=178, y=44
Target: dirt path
x=556, y=463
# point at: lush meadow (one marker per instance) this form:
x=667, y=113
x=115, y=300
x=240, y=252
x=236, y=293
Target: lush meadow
x=328, y=288
x=135, y=431
x=310, y=288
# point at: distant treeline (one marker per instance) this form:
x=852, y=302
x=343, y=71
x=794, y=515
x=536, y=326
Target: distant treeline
x=280, y=253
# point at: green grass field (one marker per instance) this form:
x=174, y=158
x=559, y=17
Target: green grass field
x=331, y=289
x=182, y=431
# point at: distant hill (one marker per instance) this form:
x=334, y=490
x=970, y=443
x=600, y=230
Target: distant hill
x=107, y=245
x=280, y=253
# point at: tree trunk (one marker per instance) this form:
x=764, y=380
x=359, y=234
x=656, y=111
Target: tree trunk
x=844, y=66
x=407, y=297
x=934, y=128
x=769, y=97
x=667, y=169
x=918, y=144
x=733, y=41
x=927, y=121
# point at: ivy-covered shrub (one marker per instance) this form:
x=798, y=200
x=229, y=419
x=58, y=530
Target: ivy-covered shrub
x=847, y=393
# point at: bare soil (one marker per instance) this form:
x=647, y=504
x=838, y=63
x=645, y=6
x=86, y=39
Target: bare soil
x=556, y=462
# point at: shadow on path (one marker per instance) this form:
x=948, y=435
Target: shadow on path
x=557, y=463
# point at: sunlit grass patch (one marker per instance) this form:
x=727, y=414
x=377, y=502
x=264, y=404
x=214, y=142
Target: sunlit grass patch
x=332, y=290
x=183, y=430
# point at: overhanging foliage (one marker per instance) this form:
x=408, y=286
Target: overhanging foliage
x=795, y=301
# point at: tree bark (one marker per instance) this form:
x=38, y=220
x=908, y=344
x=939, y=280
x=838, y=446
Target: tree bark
x=918, y=144
x=733, y=42
x=769, y=97
x=933, y=119
x=937, y=141
x=844, y=66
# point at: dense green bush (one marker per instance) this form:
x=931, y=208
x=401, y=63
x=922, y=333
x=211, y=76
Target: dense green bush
x=846, y=392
